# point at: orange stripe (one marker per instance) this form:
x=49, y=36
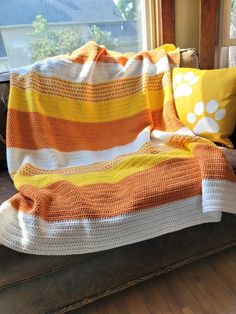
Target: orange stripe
x=159, y=185
x=165, y=119
x=158, y=120
x=34, y=130
x=153, y=57
x=102, y=58
x=174, y=57
x=210, y=159
x=172, y=122
x=93, y=52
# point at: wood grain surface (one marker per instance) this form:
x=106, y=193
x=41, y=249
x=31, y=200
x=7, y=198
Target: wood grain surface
x=208, y=32
x=205, y=286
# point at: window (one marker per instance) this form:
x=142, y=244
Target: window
x=31, y=30
x=228, y=33
x=3, y=56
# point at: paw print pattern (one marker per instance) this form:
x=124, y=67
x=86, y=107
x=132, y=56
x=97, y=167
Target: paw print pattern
x=207, y=123
x=183, y=83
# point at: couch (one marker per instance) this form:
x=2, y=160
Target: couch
x=59, y=284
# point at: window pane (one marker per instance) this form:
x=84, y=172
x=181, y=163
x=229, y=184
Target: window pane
x=232, y=56
x=233, y=19
x=31, y=30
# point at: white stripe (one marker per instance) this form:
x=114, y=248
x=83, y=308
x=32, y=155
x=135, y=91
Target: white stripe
x=162, y=137
x=51, y=159
x=230, y=154
x=218, y=195
x=94, y=72
x=91, y=235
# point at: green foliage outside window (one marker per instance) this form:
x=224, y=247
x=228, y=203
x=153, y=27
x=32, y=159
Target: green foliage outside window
x=102, y=37
x=48, y=43
x=129, y=9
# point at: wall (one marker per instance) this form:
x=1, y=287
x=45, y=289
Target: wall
x=187, y=23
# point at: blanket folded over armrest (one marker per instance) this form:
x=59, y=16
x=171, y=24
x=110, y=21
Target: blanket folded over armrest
x=100, y=158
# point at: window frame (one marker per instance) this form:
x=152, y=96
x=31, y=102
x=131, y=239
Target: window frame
x=224, y=40
x=208, y=33
x=151, y=26
x=225, y=19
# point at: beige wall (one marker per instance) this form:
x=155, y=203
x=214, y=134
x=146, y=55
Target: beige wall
x=187, y=23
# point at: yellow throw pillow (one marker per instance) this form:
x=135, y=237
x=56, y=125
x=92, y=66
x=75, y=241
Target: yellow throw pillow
x=205, y=101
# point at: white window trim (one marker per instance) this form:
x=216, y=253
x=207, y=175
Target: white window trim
x=151, y=23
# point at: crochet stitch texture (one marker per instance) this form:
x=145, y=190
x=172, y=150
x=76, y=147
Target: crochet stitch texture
x=100, y=158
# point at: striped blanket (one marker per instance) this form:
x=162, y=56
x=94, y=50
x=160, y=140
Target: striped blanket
x=100, y=158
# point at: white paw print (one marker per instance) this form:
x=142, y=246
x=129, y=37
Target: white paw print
x=206, y=123
x=182, y=83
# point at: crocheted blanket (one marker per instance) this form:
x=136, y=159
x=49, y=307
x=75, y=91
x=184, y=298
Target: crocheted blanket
x=100, y=158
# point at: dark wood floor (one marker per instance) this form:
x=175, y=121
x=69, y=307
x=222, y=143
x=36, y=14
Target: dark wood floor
x=206, y=286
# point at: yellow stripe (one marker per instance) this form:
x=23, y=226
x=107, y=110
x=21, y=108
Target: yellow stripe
x=79, y=111
x=125, y=168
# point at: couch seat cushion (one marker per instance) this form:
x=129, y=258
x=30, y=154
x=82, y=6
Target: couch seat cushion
x=23, y=266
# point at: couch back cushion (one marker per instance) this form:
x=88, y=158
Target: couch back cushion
x=4, y=92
